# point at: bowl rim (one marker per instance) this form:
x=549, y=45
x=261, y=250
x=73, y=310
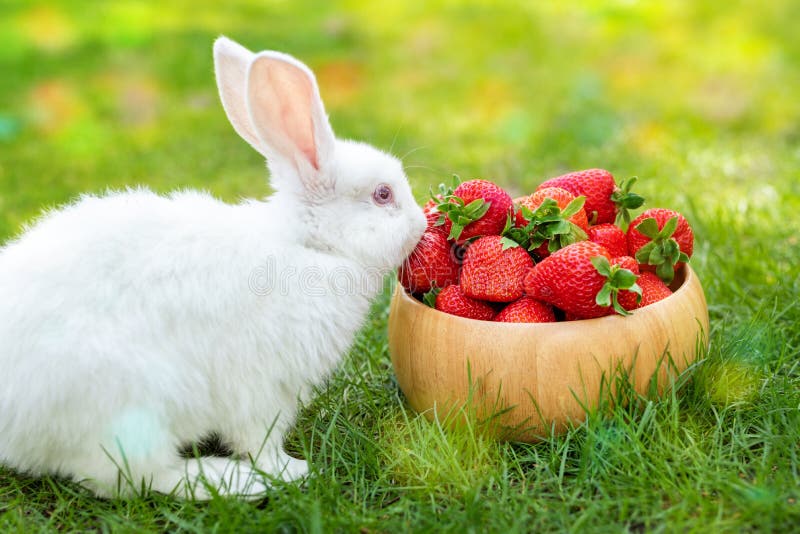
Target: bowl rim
x=685, y=269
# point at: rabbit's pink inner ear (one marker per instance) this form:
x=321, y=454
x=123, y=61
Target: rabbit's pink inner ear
x=281, y=104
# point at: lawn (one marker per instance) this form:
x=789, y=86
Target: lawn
x=698, y=100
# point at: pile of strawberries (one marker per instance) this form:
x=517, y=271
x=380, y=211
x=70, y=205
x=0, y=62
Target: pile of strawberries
x=568, y=251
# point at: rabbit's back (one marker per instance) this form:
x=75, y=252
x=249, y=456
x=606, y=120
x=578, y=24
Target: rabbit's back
x=131, y=259
x=87, y=291
x=137, y=313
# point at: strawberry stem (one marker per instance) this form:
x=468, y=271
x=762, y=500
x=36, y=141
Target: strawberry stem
x=626, y=200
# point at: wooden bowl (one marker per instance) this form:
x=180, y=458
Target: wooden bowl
x=540, y=377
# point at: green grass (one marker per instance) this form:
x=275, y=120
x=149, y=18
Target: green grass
x=698, y=101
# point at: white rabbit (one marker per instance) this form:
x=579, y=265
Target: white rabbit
x=132, y=323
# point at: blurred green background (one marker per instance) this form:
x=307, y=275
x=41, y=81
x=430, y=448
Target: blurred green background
x=697, y=98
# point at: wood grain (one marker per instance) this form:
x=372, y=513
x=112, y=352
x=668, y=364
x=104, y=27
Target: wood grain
x=543, y=375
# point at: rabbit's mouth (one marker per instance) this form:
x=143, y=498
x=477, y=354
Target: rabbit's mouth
x=410, y=245
x=420, y=225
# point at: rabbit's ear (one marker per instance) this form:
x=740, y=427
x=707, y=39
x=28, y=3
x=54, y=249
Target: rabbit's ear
x=231, y=62
x=287, y=114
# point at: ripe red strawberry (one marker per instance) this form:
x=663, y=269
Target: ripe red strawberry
x=431, y=263
x=568, y=280
x=611, y=237
x=626, y=262
x=431, y=218
x=453, y=300
x=580, y=280
x=653, y=289
x=493, y=269
x=661, y=240
x=605, y=202
x=475, y=208
x=526, y=310
x=629, y=300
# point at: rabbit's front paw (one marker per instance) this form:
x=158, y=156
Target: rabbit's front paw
x=294, y=469
x=282, y=466
x=228, y=478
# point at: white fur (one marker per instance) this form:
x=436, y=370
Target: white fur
x=131, y=324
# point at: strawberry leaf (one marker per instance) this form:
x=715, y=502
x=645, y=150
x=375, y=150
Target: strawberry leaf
x=636, y=288
x=626, y=200
x=648, y=227
x=477, y=208
x=603, y=297
x=618, y=307
x=509, y=224
x=429, y=298
x=560, y=241
x=462, y=215
x=656, y=256
x=602, y=265
x=671, y=248
x=508, y=243
x=444, y=192
x=669, y=228
x=644, y=253
x=624, y=278
x=578, y=232
x=548, y=223
x=518, y=236
x=453, y=207
x=573, y=207
x=666, y=271
x=455, y=231
x=558, y=227
x=536, y=242
x=527, y=214
x=663, y=250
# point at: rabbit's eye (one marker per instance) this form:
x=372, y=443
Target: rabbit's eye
x=383, y=195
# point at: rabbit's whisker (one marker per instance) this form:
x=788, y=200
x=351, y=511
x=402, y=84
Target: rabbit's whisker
x=412, y=151
x=394, y=139
x=425, y=167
